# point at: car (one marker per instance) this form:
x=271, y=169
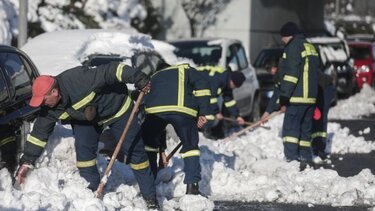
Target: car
x=228, y=54
x=335, y=57
x=363, y=54
x=17, y=73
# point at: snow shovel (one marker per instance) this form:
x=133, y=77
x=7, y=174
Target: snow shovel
x=252, y=126
x=103, y=181
x=174, y=151
x=246, y=123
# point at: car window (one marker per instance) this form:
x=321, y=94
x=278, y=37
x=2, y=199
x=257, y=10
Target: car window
x=4, y=97
x=239, y=52
x=201, y=55
x=360, y=52
x=232, y=60
x=14, y=67
x=373, y=52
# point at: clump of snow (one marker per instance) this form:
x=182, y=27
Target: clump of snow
x=360, y=104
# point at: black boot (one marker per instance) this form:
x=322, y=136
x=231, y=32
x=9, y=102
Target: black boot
x=152, y=203
x=193, y=189
x=304, y=164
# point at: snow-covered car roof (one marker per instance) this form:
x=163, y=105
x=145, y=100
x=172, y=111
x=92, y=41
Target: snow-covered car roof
x=324, y=40
x=57, y=51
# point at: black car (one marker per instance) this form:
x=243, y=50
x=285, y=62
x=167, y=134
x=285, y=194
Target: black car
x=16, y=77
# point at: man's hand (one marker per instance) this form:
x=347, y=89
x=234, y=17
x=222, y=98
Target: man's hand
x=146, y=89
x=240, y=120
x=264, y=117
x=283, y=109
x=201, y=121
x=141, y=80
x=22, y=172
x=219, y=116
x=163, y=160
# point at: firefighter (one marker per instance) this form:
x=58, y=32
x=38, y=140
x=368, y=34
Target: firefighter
x=222, y=82
x=326, y=93
x=8, y=148
x=101, y=101
x=298, y=92
x=180, y=97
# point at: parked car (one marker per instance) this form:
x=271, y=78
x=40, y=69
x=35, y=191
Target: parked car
x=229, y=54
x=363, y=54
x=17, y=74
x=335, y=57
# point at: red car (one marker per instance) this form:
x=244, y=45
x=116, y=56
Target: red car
x=364, y=61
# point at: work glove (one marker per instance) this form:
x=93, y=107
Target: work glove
x=284, y=101
x=140, y=80
x=317, y=114
x=22, y=171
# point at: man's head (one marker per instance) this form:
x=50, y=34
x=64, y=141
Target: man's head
x=45, y=92
x=236, y=79
x=287, y=31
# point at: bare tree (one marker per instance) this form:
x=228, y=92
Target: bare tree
x=202, y=13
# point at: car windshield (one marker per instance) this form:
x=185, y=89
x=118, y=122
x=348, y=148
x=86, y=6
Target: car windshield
x=360, y=52
x=201, y=55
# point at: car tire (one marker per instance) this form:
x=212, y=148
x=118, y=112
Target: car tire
x=255, y=114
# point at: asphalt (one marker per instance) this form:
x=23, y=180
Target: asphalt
x=346, y=165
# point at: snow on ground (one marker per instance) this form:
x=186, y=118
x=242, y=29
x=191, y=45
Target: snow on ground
x=361, y=104
x=249, y=168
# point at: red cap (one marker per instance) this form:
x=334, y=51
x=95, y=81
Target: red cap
x=42, y=85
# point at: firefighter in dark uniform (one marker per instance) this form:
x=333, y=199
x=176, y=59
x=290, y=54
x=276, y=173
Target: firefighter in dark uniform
x=222, y=82
x=180, y=97
x=298, y=92
x=326, y=93
x=90, y=99
x=8, y=148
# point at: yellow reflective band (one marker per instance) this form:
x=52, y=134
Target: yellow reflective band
x=181, y=84
x=212, y=69
x=64, y=115
x=219, y=90
x=171, y=108
x=84, y=101
x=201, y=93
x=213, y=100
x=305, y=143
x=319, y=134
x=290, y=139
x=284, y=55
x=122, y=111
x=291, y=79
x=79, y=104
x=210, y=117
x=119, y=71
x=191, y=153
x=139, y=166
x=306, y=78
x=309, y=50
x=302, y=100
x=36, y=141
x=85, y=164
x=230, y=103
x=7, y=140
x=151, y=149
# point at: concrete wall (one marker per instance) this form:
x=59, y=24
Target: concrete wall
x=267, y=16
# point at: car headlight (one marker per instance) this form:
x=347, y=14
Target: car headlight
x=362, y=69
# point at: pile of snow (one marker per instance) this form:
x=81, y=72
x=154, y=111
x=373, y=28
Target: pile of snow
x=360, y=104
x=8, y=22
